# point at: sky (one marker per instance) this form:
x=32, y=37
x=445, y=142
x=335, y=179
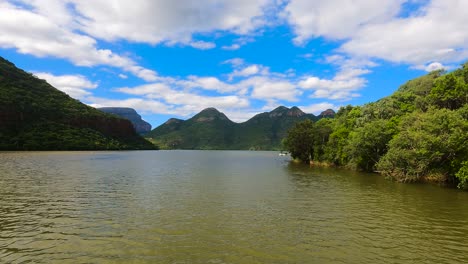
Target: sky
x=174, y=58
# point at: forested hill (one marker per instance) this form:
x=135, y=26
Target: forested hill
x=36, y=116
x=420, y=133
x=211, y=129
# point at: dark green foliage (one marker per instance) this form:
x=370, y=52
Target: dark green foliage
x=420, y=133
x=450, y=91
x=429, y=144
x=367, y=143
x=211, y=129
x=36, y=116
x=300, y=141
x=462, y=176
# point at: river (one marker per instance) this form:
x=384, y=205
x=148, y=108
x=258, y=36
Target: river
x=218, y=207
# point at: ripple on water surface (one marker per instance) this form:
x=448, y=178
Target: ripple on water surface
x=218, y=207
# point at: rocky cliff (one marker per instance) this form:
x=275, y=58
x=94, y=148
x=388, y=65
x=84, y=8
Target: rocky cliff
x=141, y=126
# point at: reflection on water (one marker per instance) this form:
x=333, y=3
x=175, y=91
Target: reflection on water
x=218, y=207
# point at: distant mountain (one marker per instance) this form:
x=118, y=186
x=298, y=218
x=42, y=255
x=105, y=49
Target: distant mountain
x=36, y=116
x=211, y=129
x=140, y=125
x=329, y=113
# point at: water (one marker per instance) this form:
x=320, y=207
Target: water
x=218, y=207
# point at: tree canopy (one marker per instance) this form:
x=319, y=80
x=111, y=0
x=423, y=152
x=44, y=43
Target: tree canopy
x=420, y=133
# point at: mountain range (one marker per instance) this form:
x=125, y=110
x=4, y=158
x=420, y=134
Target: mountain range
x=211, y=129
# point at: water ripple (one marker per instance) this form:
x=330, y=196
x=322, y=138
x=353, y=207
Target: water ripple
x=217, y=207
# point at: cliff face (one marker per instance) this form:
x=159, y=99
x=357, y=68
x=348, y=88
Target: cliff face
x=36, y=116
x=141, y=126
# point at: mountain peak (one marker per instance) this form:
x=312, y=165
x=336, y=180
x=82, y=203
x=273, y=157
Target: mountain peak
x=328, y=113
x=284, y=111
x=280, y=109
x=210, y=111
x=209, y=114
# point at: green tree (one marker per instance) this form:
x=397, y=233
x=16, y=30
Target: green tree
x=431, y=144
x=321, y=135
x=462, y=175
x=299, y=141
x=450, y=91
x=368, y=143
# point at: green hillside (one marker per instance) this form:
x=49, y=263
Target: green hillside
x=420, y=133
x=36, y=116
x=211, y=129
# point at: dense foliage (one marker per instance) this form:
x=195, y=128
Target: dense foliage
x=420, y=133
x=36, y=116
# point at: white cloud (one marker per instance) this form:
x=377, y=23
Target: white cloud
x=234, y=46
x=206, y=83
x=123, y=76
x=348, y=80
x=336, y=19
x=44, y=37
x=203, y=45
x=436, y=32
x=433, y=66
x=439, y=32
x=139, y=104
x=248, y=71
x=318, y=108
x=235, y=62
x=183, y=99
x=160, y=21
x=266, y=88
x=76, y=86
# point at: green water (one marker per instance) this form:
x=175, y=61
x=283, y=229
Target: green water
x=218, y=207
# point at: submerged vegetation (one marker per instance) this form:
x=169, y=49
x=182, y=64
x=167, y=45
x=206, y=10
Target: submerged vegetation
x=420, y=133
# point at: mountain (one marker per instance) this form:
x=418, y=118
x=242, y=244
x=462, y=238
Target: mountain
x=329, y=113
x=36, y=116
x=211, y=129
x=140, y=125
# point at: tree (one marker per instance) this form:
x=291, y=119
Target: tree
x=322, y=130
x=462, y=176
x=368, y=143
x=299, y=141
x=450, y=91
x=431, y=144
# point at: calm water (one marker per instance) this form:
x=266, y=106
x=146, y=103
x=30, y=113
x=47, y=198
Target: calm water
x=218, y=207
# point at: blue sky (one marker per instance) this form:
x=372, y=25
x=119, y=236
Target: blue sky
x=175, y=58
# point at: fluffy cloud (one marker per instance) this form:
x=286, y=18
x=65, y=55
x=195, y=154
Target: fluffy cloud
x=76, y=86
x=168, y=21
x=316, y=109
x=139, y=104
x=434, y=67
x=268, y=88
x=181, y=99
x=333, y=89
x=439, y=32
x=45, y=37
x=249, y=71
x=436, y=31
x=336, y=19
